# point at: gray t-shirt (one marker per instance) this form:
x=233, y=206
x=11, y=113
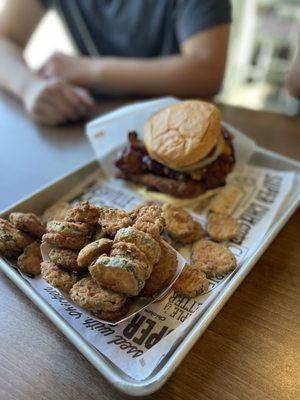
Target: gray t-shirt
x=138, y=28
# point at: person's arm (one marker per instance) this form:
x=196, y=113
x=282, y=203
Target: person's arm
x=197, y=71
x=293, y=78
x=17, y=22
x=49, y=101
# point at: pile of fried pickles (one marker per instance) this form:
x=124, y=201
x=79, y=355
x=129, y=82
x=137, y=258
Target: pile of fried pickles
x=104, y=257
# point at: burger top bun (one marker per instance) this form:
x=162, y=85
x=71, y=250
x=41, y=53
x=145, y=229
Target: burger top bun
x=183, y=133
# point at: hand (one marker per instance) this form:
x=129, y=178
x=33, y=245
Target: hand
x=53, y=101
x=73, y=69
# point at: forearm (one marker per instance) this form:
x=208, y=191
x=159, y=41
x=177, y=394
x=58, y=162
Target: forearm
x=293, y=78
x=177, y=75
x=15, y=76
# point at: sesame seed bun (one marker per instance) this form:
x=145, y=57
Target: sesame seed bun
x=182, y=134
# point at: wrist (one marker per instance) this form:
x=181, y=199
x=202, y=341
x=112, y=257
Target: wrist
x=95, y=72
x=29, y=81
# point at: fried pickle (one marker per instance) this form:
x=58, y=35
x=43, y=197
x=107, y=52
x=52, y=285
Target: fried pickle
x=222, y=227
x=93, y=250
x=191, y=282
x=30, y=260
x=163, y=271
x=28, y=222
x=212, y=258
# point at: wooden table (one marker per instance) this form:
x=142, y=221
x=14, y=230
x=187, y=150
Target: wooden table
x=250, y=351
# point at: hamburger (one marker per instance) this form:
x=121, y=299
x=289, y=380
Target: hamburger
x=185, y=152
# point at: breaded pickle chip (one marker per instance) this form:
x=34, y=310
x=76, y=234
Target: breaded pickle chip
x=88, y=294
x=163, y=271
x=142, y=240
x=149, y=208
x=83, y=212
x=60, y=279
x=119, y=274
x=27, y=222
x=12, y=240
x=225, y=201
x=30, y=260
x=71, y=229
x=180, y=225
x=65, y=258
x=145, y=224
x=222, y=227
x=93, y=250
x=197, y=234
x=112, y=315
x=112, y=219
x=191, y=282
x=56, y=239
x=212, y=258
x=132, y=252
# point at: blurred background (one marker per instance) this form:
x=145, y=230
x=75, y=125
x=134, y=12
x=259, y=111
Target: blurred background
x=264, y=38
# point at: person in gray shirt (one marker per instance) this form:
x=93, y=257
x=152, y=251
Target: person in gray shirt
x=141, y=47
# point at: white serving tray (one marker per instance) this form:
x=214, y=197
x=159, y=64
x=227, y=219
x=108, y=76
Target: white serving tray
x=43, y=198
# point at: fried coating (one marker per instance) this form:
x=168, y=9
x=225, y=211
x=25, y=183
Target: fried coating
x=12, y=240
x=9, y=253
x=83, y=212
x=212, y=258
x=163, y=271
x=150, y=209
x=92, y=251
x=225, y=201
x=28, y=222
x=112, y=219
x=179, y=224
x=88, y=294
x=132, y=252
x=99, y=233
x=112, y=315
x=191, y=282
x=148, y=218
x=70, y=229
x=56, y=239
x=118, y=274
x=8, y=247
x=197, y=234
x=146, y=225
x=222, y=227
x=142, y=240
x=30, y=260
x=60, y=279
x=134, y=212
x=56, y=212
x=65, y=258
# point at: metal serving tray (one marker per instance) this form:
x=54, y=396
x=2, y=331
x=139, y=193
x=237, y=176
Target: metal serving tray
x=43, y=198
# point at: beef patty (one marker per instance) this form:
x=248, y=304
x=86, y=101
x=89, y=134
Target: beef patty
x=137, y=166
